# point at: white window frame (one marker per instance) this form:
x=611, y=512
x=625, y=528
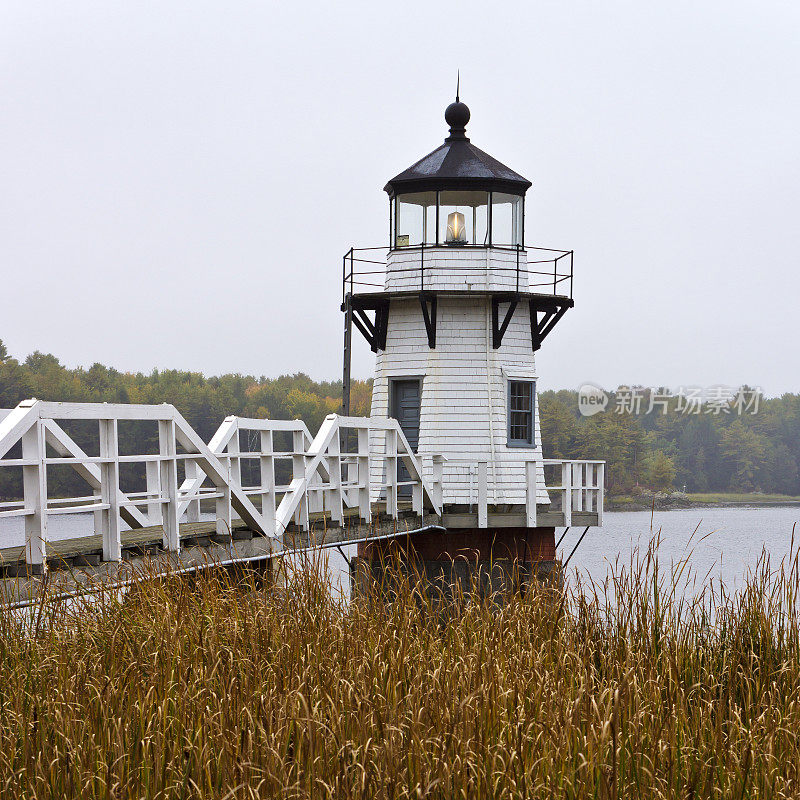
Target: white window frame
x=532, y=412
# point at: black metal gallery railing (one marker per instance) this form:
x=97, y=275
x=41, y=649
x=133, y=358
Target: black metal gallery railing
x=544, y=271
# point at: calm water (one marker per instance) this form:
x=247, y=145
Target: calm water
x=727, y=543
x=728, y=540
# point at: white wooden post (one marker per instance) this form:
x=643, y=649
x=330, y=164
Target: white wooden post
x=391, y=473
x=298, y=473
x=483, y=495
x=350, y=494
x=363, y=475
x=566, y=492
x=416, y=495
x=334, y=493
x=415, y=474
x=267, y=469
x=601, y=468
x=97, y=516
x=34, y=482
x=154, y=510
x=222, y=506
x=586, y=491
x=234, y=449
x=579, y=485
x=168, y=471
x=109, y=490
x=192, y=472
x=438, y=478
x=315, y=494
x=530, y=493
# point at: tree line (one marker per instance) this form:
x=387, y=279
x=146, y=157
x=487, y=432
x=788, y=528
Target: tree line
x=716, y=448
x=203, y=401
x=719, y=445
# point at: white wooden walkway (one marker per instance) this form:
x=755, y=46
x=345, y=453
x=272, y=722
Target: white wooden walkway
x=330, y=476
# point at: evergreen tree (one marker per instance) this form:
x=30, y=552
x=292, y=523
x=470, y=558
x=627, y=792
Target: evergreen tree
x=661, y=472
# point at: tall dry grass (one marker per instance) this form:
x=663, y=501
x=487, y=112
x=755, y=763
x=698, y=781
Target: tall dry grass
x=211, y=688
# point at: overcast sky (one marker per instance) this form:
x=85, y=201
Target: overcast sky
x=180, y=179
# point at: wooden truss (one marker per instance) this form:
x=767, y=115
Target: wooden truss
x=545, y=312
x=375, y=329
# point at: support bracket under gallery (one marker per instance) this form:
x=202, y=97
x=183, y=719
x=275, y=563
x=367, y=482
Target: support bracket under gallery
x=373, y=329
x=427, y=301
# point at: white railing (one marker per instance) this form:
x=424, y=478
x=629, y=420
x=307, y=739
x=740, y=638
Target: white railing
x=329, y=473
x=579, y=487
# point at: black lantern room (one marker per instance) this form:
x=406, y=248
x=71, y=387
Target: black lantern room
x=457, y=196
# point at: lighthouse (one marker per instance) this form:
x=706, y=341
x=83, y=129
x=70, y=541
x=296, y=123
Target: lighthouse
x=455, y=313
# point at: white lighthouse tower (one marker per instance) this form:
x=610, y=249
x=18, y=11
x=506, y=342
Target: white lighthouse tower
x=463, y=308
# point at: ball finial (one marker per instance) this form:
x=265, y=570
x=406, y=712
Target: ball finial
x=457, y=116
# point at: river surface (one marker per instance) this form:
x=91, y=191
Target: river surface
x=722, y=542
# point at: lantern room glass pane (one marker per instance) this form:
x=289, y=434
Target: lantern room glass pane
x=506, y=219
x=415, y=219
x=463, y=218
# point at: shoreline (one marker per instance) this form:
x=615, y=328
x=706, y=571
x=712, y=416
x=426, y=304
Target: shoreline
x=682, y=503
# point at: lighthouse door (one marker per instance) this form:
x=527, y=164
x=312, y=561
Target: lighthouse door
x=405, y=409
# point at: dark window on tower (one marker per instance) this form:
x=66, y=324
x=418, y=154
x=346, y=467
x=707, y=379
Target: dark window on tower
x=521, y=396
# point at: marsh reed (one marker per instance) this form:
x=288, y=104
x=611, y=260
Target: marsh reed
x=214, y=687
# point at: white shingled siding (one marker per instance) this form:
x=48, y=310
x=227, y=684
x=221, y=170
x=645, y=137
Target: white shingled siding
x=458, y=389
x=457, y=268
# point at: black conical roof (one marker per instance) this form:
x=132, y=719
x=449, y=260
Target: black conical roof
x=457, y=164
